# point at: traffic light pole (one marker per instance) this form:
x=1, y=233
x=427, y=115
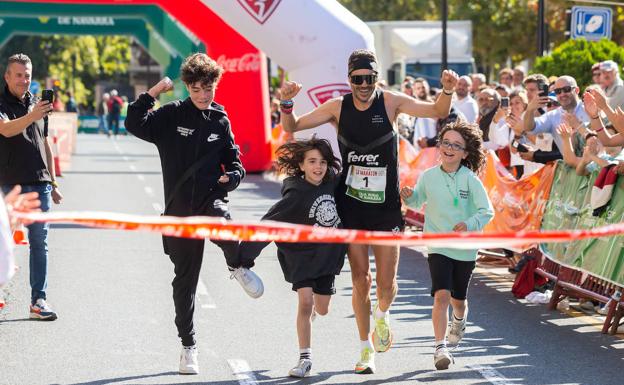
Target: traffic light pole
x=541, y=28
x=444, y=28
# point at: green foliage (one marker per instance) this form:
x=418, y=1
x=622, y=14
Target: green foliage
x=502, y=29
x=576, y=57
x=374, y=10
x=79, y=62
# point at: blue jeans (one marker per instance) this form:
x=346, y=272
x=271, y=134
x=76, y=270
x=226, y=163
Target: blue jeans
x=113, y=123
x=103, y=126
x=38, y=239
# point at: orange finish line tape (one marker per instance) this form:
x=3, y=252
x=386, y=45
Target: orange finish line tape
x=264, y=231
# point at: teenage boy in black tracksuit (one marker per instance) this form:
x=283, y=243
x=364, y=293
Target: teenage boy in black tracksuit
x=191, y=132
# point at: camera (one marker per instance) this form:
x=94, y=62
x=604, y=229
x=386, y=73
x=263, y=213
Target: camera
x=519, y=146
x=504, y=102
x=543, y=90
x=47, y=95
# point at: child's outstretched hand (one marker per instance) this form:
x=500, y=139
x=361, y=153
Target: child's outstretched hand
x=461, y=226
x=406, y=192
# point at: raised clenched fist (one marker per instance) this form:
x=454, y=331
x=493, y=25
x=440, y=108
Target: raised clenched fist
x=164, y=85
x=289, y=90
x=449, y=79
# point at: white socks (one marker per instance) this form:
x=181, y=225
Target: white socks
x=367, y=344
x=305, y=354
x=378, y=314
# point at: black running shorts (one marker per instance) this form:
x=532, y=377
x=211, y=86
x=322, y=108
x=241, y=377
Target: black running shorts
x=322, y=285
x=450, y=274
x=373, y=219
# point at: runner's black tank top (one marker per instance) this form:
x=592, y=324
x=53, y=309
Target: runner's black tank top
x=369, y=148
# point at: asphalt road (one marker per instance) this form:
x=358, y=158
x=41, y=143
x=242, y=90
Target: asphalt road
x=112, y=292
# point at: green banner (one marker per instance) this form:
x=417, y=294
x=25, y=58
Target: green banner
x=569, y=208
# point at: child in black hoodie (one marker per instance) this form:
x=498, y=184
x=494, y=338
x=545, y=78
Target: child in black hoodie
x=307, y=198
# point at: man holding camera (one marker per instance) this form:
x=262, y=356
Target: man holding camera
x=567, y=93
x=26, y=160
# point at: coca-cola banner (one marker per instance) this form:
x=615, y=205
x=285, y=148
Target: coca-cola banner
x=311, y=39
x=243, y=89
x=248, y=62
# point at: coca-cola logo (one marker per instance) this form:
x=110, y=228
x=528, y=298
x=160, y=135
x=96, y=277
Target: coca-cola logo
x=321, y=94
x=249, y=62
x=260, y=10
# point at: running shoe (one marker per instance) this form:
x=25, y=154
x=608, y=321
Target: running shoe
x=442, y=358
x=42, y=311
x=382, y=335
x=249, y=281
x=456, y=331
x=366, y=364
x=302, y=369
x=188, y=360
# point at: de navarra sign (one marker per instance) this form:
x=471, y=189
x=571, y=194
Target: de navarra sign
x=86, y=20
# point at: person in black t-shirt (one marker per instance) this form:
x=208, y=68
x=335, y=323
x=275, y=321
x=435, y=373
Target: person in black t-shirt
x=26, y=160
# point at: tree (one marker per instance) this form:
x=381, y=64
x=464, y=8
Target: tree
x=502, y=29
x=78, y=62
x=375, y=10
x=496, y=23
x=576, y=57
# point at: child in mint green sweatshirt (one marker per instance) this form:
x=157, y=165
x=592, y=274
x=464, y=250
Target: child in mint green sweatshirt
x=455, y=201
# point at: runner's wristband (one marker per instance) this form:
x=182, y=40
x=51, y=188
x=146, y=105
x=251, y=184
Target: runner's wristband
x=288, y=103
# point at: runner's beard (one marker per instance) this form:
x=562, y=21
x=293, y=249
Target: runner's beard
x=362, y=99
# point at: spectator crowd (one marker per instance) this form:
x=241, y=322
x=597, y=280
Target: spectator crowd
x=531, y=120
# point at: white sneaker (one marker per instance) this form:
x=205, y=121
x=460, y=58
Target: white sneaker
x=251, y=283
x=442, y=358
x=456, y=331
x=302, y=369
x=188, y=360
x=42, y=311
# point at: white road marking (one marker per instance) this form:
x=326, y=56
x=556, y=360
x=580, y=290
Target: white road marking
x=242, y=372
x=204, y=297
x=126, y=158
x=157, y=207
x=149, y=191
x=132, y=167
x=490, y=374
x=141, y=177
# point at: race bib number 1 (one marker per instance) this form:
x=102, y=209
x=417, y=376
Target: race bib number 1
x=367, y=184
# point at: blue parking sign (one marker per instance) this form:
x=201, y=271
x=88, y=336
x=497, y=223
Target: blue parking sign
x=591, y=23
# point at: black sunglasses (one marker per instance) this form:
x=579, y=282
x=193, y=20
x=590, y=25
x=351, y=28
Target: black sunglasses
x=360, y=79
x=561, y=90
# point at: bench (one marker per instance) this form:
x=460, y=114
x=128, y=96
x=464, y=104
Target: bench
x=575, y=283
x=547, y=268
